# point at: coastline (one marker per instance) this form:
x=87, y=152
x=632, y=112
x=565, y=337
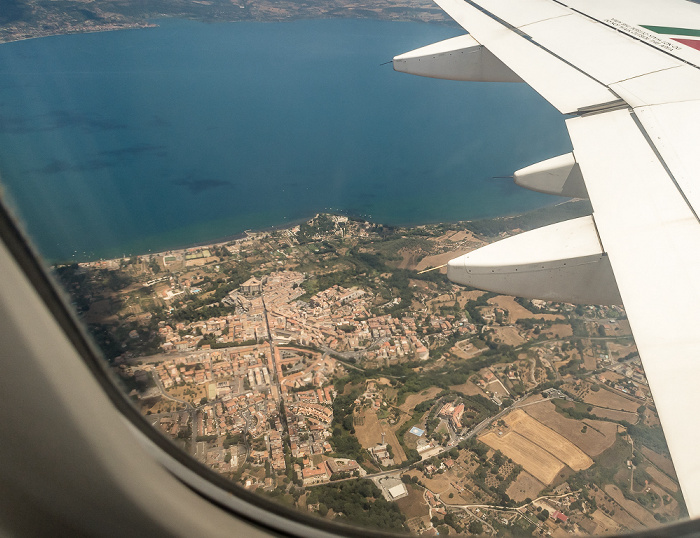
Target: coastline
x=50, y=21
x=377, y=201
x=573, y=206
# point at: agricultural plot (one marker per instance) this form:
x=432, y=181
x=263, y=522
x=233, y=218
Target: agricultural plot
x=563, y=449
x=444, y=485
x=662, y=462
x=540, y=450
x=464, y=296
x=613, y=376
x=413, y=505
x=468, y=388
x=441, y=259
x=560, y=330
x=507, y=335
x=589, y=360
x=636, y=511
x=413, y=400
x=606, y=398
x=661, y=479
x=618, y=351
x=496, y=387
x=368, y=429
x=369, y=434
x=525, y=486
x=465, y=350
x=630, y=417
x=534, y=459
x=599, y=435
x=517, y=312
x=669, y=506
x=605, y=525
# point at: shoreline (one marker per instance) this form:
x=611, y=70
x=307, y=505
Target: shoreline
x=144, y=242
x=223, y=241
x=412, y=14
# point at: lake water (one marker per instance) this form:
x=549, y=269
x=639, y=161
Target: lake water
x=130, y=141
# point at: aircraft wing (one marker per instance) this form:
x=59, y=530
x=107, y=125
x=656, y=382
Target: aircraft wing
x=627, y=75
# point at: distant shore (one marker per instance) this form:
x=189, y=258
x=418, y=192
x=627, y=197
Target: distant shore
x=47, y=20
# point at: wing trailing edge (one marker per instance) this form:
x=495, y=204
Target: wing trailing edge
x=457, y=58
x=560, y=262
x=560, y=176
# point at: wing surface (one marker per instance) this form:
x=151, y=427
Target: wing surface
x=628, y=74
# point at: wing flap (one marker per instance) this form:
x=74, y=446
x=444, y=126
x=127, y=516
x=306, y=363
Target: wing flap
x=457, y=58
x=673, y=130
x=668, y=86
x=559, y=262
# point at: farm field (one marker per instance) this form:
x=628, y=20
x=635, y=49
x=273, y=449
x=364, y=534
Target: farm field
x=630, y=417
x=613, y=376
x=589, y=360
x=618, y=351
x=523, y=487
x=559, y=446
x=605, y=398
x=369, y=434
x=661, y=479
x=413, y=505
x=440, y=259
x=517, y=312
x=637, y=512
x=468, y=388
x=464, y=296
x=662, y=462
x=507, y=335
x=465, y=350
x=534, y=459
x=496, y=387
x=605, y=524
x=599, y=436
x=442, y=484
x=414, y=399
x=560, y=330
x=672, y=510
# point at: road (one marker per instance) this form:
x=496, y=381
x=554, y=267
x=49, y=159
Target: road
x=190, y=408
x=475, y=431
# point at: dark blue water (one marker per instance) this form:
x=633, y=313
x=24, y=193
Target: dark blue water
x=130, y=141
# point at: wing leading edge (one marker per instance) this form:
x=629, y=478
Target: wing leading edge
x=627, y=71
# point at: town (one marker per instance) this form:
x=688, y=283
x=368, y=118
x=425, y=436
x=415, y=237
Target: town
x=316, y=363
